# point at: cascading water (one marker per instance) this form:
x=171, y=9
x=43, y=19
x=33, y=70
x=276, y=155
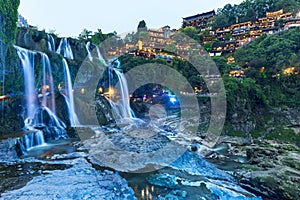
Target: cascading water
x=27, y=60
x=100, y=56
x=31, y=140
x=40, y=118
x=67, y=92
x=65, y=49
x=51, y=44
x=48, y=86
x=46, y=120
x=88, y=49
x=121, y=107
x=90, y=53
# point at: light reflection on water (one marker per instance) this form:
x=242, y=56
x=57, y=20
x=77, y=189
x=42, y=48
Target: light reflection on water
x=50, y=148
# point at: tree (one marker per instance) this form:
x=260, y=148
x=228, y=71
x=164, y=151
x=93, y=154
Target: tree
x=191, y=32
x=130, y=38
x=85, y=35
x=222, y=65
x=293, y=59
x=142, y=26
x=207, y=46
x=143, y=35
x=171, y=48
x=99, y=37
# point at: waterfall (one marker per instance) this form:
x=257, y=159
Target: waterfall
x=31, y=140
x=51, y=44
x=27, y=60
x=68, y=95
x=40, y=118
x=44, y=117
x=88, y=49
x=100, y=57
x=121, y=104
x=65, y=49
x=48, y=86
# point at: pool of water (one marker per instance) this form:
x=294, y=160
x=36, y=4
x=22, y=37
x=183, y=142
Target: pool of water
x=51, y=148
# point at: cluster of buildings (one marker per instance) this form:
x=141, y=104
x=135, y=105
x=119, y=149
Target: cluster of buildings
x=161, y=43
x=223, y=40
x=158, y=43
x=239, y=34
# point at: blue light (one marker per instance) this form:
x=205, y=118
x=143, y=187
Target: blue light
x=116, y=63
x=173, y=99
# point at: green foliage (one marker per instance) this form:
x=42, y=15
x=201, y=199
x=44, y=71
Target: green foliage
x=250, y=10
x=207, y=46
x=222, y=65
x=133, y=37
x=8, y=17
x=95, y=38
x=274, y=53
x=181, y=66
x=282, y=134
x=8, y=61
x=143, y=35
x=85, y=35
x=257, y=133
x=244, y=94
x=191, y=32
x=236, y=134
x=171, y=48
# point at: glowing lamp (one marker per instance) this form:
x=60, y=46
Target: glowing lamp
x=111, y=91
x=173, y=99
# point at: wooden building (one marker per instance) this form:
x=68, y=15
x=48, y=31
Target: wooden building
x=200, y=21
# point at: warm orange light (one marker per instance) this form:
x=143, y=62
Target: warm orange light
x=82, y=91
x=46, y=87
x=289, y=71
x=110, y=91
x=230, y=60
x=59, y=86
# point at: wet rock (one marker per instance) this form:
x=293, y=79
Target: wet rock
x=272, y=170
x=7, y=150
x=164, y=180
x=10, y=116
x=79, y=182
x=17, y=174
x=184, y=186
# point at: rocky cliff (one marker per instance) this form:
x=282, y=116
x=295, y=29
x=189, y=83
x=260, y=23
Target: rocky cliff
x=9, y=68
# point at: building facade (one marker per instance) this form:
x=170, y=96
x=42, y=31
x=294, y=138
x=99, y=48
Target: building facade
x=200, y=21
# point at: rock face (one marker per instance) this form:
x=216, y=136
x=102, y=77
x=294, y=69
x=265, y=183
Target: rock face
x=272, y=169
x=10, y=116
x=32, y=39
x=79, y=182
x=9, y=68
x=38, y=40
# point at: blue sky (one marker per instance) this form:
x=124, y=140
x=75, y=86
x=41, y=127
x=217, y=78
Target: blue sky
x=70, y=17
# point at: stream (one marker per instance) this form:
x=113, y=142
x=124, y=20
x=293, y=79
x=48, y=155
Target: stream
x=70, y=169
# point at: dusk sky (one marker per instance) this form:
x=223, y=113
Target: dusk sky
x=70, y=17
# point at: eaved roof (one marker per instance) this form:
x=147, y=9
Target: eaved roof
x=206, y=14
